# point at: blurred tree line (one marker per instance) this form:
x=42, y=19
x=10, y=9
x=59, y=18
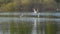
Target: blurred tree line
x=25, y=5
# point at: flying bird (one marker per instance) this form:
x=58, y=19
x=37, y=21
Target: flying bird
x=35, y=11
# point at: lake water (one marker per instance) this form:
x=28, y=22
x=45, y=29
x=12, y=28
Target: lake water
x=29, y=19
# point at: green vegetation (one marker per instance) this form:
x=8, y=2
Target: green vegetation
x=8, y=7
x=58, y=1
x=22, y=5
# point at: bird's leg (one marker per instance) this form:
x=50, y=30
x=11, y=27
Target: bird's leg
x=38, y=15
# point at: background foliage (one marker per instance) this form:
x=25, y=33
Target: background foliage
x=18, y=5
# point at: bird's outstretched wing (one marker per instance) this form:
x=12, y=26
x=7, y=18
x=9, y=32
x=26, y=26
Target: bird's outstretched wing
x=35, y=11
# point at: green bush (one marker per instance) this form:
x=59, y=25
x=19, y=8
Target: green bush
x=7, y=7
